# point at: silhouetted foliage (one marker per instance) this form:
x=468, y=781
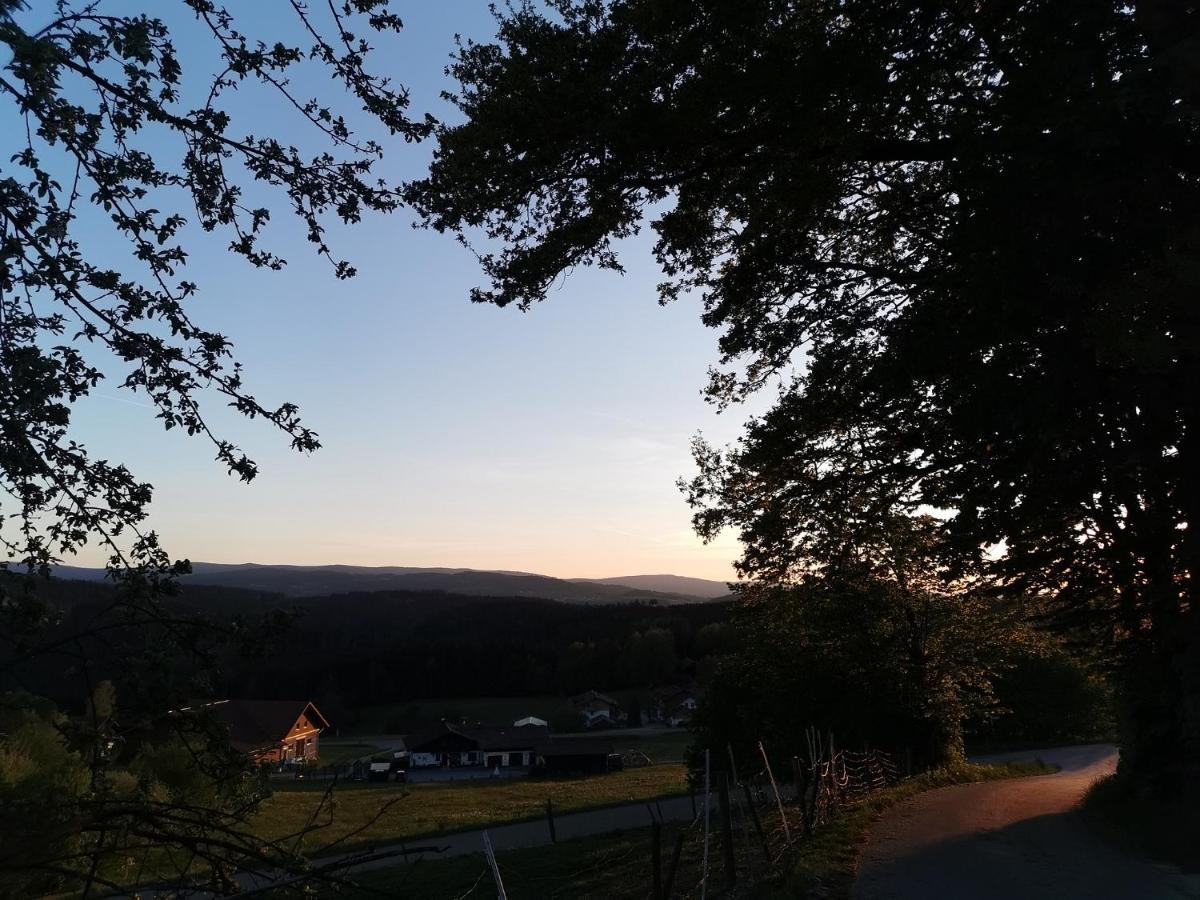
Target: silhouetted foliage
x=961, y=239
x=118, y=152
x=880, y=646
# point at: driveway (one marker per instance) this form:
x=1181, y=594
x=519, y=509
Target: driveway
x=1019, y=839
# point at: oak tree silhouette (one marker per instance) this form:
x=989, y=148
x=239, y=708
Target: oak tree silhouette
x=959, y=239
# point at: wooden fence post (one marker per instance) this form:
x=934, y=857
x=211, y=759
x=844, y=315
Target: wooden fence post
x=656, y=857
x=707, y=816
x=801, y=795
x=762, y=837
x=733, y=765
x=727, y=831
x=673, y=866
x=490, y=855
x=787, y=832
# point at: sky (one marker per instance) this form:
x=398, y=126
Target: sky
x=454, y=434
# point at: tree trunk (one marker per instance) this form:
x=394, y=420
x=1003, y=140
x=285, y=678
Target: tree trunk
x=1160, y=745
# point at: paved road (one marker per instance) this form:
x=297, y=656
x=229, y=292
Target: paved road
x=520, y=834
x=571, y=825
x=1019, y=839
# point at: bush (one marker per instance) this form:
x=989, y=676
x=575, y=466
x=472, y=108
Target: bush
x=1045, y=696
x=1150, y=822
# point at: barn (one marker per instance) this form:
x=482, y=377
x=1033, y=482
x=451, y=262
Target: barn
x=448, y=744
x=575, y=756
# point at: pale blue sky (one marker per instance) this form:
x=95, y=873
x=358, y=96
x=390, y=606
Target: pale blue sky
x=454, y=434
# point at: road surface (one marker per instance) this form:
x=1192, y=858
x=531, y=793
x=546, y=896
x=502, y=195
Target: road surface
x=1018, y=839
x=535, y=833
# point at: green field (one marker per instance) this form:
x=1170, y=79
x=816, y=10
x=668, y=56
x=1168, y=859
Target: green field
x=670, y=746
x=614, y=865
x=411, y=810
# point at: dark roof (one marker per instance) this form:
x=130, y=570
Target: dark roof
x=677, y=695
x=574, y=747
x=589, y=696
x=258, y=724
x=485, y=737
x=508, y=737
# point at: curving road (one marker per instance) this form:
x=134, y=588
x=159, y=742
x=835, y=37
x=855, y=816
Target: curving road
x=1019, y=839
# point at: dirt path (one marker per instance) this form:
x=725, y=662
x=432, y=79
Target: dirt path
x=1009, y=840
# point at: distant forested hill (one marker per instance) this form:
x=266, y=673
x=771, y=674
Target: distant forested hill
x=314, y=581
x=669, y=584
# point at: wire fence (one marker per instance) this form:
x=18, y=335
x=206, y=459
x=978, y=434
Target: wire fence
x=749, y=818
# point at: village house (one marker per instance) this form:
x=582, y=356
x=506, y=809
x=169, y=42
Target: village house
x=448, y=744
x=674, y=706
x=271, y=731
x=596, y=710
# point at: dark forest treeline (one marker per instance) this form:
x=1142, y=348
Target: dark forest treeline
x=349, y=651
x=355, y=650
x=352, y=651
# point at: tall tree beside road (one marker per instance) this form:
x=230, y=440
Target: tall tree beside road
x=960, y=240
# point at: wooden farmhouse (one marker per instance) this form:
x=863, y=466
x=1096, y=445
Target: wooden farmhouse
x=274, y=731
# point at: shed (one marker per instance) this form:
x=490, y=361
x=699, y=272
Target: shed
x=575, y=756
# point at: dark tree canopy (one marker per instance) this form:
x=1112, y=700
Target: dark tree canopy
x=108, y=120
x=119, y=152
x=960, y=238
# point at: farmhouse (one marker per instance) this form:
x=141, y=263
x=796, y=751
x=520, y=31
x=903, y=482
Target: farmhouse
x=277, y=731
x=447, y=744
x=675, y=706
x=596, y=710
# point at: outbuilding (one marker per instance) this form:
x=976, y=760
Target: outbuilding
x=575, y=756
x=451, y=745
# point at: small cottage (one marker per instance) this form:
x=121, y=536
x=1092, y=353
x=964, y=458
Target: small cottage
x=675, y=706
x=596, y=710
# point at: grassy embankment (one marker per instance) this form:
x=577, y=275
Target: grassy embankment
x=1162, y=828
x=618, y=865
x=420, y=809
x=830, y=859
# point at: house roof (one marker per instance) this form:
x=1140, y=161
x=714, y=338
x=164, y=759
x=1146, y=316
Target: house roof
x=257, y=724
x=676, y=695
x=485, y=737
x=593, y=697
